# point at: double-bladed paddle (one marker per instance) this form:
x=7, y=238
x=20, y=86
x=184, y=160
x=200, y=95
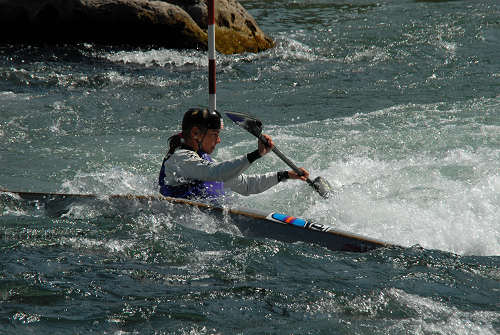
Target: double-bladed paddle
x=254, y=127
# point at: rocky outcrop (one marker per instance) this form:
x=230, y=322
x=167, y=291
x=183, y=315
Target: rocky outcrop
x=236, y=30
x=172, y=23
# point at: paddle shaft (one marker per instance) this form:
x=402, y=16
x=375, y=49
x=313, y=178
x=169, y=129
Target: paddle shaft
x=285, y=159
x=254, y=127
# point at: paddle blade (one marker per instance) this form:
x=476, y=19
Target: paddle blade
x=322, y=186
x=247, y=122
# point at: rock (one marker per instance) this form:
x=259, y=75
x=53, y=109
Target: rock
x=172, y=24
x=236, y=30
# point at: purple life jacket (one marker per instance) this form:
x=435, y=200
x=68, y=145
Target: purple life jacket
x=193, y=189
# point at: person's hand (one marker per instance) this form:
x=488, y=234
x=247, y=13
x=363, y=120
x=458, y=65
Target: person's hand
x=294, y=175
x=263, y=148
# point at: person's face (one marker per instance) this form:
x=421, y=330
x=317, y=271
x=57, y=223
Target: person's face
x=210, y=140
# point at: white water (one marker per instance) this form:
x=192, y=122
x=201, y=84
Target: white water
x=419, y=185
x=409, y=174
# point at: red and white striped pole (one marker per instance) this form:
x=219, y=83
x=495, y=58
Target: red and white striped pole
x=211, y=55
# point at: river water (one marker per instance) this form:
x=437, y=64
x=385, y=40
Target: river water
x=396, y=103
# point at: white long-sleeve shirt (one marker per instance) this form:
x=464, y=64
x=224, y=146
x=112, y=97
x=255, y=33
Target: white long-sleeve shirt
x=184, y=166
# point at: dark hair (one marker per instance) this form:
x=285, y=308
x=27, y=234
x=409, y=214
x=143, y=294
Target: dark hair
x=195, y=117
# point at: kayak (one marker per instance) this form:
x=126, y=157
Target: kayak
x=250, y=222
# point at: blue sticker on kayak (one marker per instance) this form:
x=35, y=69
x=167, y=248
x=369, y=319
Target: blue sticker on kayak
x=289, y=219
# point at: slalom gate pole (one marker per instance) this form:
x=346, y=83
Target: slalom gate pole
x=211, y=55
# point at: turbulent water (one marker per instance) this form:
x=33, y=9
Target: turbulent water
x=396, y=103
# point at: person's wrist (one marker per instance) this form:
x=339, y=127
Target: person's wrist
x=253, y=156
x=283, y=175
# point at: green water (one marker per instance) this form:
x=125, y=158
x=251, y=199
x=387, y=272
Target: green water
x=396, y=103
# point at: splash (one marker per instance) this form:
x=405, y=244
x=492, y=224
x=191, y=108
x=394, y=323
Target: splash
x=114, y=180
x=415, y=174
x=159, y=57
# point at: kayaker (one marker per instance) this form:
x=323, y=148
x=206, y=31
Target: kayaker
x=189, y=172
